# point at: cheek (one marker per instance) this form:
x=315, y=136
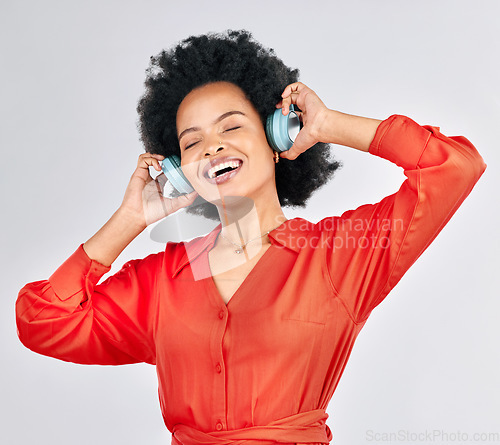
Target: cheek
x=262, y=166
x=190, y=167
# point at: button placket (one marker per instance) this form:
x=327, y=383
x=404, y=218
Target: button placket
x=218, y=367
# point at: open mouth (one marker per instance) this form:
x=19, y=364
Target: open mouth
x=223, y=171
x=223, y=168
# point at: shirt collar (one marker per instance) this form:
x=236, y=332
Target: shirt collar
x=286, y=235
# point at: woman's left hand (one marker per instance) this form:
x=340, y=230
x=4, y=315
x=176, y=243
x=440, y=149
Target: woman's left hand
x=313, y=114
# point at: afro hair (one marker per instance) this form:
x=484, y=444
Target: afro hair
x=233, y=56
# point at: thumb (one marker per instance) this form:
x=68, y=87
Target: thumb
x=300, y=145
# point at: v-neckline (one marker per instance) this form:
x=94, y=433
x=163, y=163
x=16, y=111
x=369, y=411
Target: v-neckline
x=245, y=283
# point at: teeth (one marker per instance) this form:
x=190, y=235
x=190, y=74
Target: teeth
x=212, y=172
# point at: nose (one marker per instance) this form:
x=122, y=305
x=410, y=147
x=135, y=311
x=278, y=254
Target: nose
x=214, y=147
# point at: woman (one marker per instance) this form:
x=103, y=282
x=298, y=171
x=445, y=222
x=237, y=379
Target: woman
x=250, y=327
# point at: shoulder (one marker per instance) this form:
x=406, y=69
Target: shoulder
x=179, y=254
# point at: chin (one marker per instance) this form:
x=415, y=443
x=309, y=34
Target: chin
x=232, y=200
x=234, y=194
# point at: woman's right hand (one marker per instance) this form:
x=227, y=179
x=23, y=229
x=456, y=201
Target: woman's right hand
x=144, y=198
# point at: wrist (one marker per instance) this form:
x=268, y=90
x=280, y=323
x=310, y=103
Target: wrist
x=110, y=240
x=348, y=130
x=131, y=219
x=327, y=124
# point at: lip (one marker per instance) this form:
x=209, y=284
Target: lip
x=215, y=162
x=218, y=180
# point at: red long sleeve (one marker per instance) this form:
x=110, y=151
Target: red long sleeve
x=71, y=318
x=379, y=242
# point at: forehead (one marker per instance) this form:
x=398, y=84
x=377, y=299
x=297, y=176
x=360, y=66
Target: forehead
x=211, y=99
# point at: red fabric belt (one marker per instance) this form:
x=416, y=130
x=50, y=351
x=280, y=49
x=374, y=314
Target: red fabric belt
x=308, y=428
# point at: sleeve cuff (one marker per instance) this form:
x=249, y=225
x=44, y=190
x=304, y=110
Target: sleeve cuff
x=71, y=277
x=400, y=140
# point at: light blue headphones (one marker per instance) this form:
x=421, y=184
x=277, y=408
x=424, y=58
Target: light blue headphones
x=171, y=166
x=281, y=132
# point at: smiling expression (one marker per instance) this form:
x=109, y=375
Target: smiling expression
x=218, y=127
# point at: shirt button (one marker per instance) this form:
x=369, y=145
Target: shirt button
x=218, y=368
x=221, y=315
x=218, y=427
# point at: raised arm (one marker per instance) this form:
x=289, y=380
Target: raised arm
x=373, y=246
x=71, y=317
x=370, y=248
x=142, y=205
x=321, y=124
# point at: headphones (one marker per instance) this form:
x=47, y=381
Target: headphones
x=281, y=132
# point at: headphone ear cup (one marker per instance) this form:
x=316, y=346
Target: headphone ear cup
x=171, y=166
x=281, y=131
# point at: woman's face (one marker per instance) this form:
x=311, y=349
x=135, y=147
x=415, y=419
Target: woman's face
x=216, y=121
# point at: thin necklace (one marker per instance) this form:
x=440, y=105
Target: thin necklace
x=239, y=247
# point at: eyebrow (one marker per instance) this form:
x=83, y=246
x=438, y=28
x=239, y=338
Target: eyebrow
x=220, y=118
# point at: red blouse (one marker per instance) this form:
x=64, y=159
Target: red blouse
x=264, y=367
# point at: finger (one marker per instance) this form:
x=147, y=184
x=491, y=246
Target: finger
x=299, y=146
x=291, y=154
x=293, y=87
x=292, y=99
x=152, y=155
x=146, y=161
x=295, y=152
x=291, y=96
x=286, y=99
x=147, y=155
x=285, y=106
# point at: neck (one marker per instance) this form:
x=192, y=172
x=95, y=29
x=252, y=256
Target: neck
x=243, y=219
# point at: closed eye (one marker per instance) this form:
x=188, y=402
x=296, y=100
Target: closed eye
x=190, y=145
x=194, y=143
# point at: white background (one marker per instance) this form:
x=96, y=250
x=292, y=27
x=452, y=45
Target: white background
x=71, y=75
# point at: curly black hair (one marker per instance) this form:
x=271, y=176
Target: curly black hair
x=233, y=56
